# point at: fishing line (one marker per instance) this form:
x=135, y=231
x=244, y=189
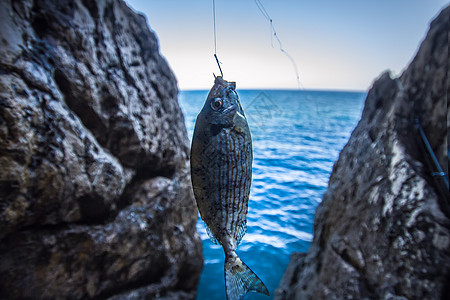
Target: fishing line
x=215, y=38
x=266, y=15
x=273, y=33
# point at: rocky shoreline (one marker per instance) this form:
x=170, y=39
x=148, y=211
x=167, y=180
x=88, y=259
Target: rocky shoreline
x=382, y=230
x=95, y=197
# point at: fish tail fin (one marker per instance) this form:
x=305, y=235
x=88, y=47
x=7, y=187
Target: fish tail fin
x=240, y=279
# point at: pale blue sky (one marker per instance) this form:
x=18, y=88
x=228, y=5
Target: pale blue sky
x=341, y=45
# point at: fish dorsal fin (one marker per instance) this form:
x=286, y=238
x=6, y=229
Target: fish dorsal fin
x=211, y=235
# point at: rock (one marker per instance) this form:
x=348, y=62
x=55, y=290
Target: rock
x=95, y=196
x=382, y=230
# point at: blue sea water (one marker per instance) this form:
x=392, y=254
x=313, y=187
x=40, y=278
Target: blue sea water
x=297, y=136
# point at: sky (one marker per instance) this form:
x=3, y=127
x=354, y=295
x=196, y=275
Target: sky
x=336, y=45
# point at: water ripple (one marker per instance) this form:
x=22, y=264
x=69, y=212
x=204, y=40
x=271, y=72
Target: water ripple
x=297, y=136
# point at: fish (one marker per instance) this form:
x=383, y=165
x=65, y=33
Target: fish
x=221, y=173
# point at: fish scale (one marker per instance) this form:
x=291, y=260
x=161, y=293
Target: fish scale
x=230, y=176
x=221, y=171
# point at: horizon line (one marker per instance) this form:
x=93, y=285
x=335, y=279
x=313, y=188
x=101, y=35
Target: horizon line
x=284, y=89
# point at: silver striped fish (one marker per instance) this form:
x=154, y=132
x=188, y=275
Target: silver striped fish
x=221, y=172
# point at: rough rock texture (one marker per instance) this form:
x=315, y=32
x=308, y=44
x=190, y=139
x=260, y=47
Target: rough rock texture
x=95, y=197
x=382, y=230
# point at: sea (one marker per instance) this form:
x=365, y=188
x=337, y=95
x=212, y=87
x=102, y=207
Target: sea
x=297, y=136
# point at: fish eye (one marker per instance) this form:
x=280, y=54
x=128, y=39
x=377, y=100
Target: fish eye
x=216, y=104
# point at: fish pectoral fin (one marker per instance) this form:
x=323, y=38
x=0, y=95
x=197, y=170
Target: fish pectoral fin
x=240, y=279
x=211, y=235
x=238, y=129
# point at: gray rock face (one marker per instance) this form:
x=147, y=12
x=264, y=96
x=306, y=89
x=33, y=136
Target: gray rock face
x=382, y=230
x=95, y=196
